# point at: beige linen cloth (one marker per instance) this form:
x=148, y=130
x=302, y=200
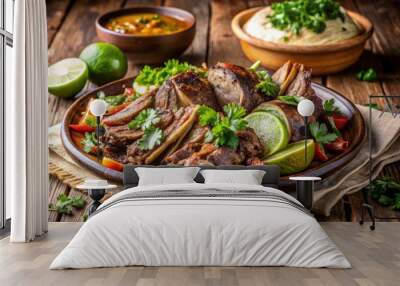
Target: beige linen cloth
x=350, y=179
x=385, y=129
x=62, y=165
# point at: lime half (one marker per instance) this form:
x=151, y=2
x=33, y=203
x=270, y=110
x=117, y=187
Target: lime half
x=67, y=77
x=277, y=111
x=292, y=159
x=271, y=131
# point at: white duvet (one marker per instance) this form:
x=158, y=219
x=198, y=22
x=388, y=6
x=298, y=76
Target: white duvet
x=207, y=230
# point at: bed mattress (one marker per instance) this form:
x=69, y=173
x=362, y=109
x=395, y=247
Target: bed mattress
x=201, y=225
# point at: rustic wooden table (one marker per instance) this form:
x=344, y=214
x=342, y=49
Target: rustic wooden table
x=71, y=28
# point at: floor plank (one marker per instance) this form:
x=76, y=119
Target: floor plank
x=374, y=255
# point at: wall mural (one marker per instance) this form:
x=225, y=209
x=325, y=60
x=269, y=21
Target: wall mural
x=132, y=95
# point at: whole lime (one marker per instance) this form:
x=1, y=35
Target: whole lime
x=105, y=61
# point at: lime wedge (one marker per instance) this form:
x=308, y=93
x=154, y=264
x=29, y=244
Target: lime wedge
x=277, y=111
x=67, y=77
x=271, y=131
x=292, y=159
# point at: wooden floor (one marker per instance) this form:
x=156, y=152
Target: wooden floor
x=374, y=255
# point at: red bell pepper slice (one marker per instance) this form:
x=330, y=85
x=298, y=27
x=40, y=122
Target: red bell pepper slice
x=129, y=91
x=320, y=154
x=337, y=146
x=112, y=164
x=340, y=121
x=81, y=128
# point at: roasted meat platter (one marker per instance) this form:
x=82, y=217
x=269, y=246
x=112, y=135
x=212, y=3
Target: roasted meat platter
x=226, y=114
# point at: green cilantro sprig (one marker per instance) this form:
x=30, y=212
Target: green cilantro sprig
x=310, y=14
x=113, y=100
x=367, y=75
x=372, y=105
x=290, y=99
x=223, y=128
x=89, y=142
x=91, y=121
x=266, y=85
x=152, y=135
x=208, y=116
x=64, y=204
x=145, y=119
x=330, y=109
x=320, y=133
x=386, y=191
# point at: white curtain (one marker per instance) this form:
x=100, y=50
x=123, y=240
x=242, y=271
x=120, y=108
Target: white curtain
x=26, y=121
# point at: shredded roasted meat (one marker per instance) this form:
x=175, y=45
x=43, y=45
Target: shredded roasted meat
x=120, y=135
x=225, y=156
x=185, y=89
x=116, y=153
x=138, y=156
x=249, y=144
x=235, y=84
x=184, y=143
x=123, y=136
x=129, y=112
x=166, y=97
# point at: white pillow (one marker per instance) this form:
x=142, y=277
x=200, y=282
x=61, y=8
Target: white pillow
x=166, y=176
x=248, y=177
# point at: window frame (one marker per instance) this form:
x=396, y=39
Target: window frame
x=6, y=39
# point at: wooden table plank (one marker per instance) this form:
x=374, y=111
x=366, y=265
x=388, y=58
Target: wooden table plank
x=77, y=215
x=386, y=44
x=56, y=188
x=56, y=12
x=223, y=46
x=197, y=52
x=76, y=32
x=134, y=68
x=346, y=82
x=381, y=55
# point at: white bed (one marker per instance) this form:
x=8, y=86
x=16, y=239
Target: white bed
x=201, y=224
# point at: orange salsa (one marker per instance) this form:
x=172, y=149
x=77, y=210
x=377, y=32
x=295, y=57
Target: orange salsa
x=146, y=24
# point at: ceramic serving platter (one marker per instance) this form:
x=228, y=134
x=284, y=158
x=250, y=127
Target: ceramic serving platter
x=354, y=132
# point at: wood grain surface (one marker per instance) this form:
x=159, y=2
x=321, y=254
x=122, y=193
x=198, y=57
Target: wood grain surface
x=375, y=259
x=71, y=28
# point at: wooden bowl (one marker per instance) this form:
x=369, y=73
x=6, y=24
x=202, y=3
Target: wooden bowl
x=355, y=133
x=144, y=48
x=322, y=59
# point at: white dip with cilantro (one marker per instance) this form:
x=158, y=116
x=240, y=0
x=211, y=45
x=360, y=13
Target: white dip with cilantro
x=260, y=26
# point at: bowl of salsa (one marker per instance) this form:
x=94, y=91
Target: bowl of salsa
x=149, y=34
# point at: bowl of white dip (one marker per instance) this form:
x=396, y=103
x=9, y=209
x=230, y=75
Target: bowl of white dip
x=337, y=47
